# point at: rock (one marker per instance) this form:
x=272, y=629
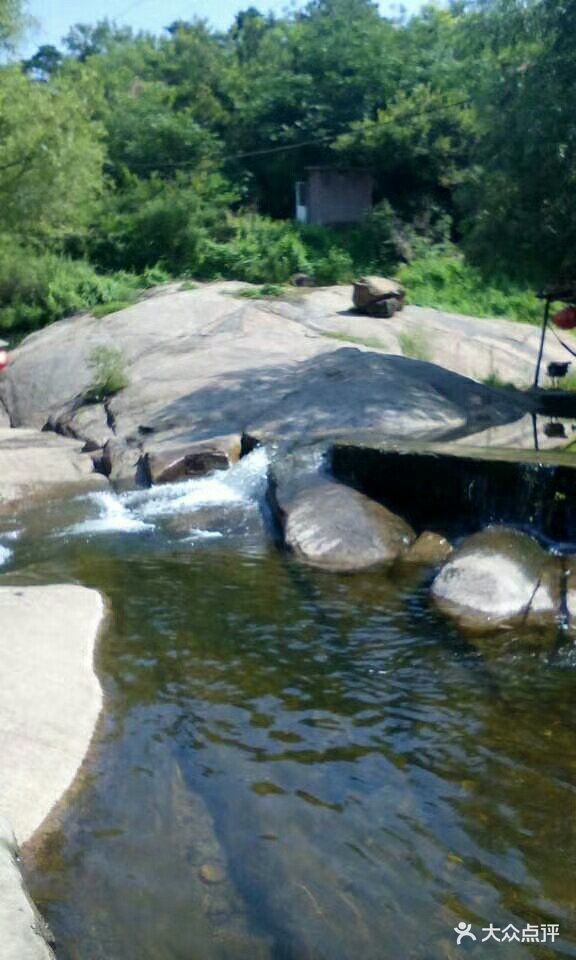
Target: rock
x=202, y=365
x=211, y=873
x=22, y=931
x=499, y=577
x=332, y=526
x=88, y=422
x=34, y=463
x=169, y=464
x=123, y=462
x=570, y=585
x=384, y=309
x=50, y=697
x=370, y=290
x=302, y=280
x=430, y=548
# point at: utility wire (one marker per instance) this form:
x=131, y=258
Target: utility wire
x=265, y=151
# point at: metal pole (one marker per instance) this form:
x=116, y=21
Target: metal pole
x=542, y=338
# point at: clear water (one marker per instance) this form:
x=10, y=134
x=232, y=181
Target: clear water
x=295, y=765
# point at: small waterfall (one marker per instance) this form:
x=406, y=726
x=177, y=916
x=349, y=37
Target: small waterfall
x=139, y=511
x=5, y=554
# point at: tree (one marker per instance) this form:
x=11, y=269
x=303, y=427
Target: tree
x=51, y=156
x=44, y=63
x=12, y=22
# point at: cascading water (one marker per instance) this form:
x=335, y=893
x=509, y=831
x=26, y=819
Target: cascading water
x=243, y=485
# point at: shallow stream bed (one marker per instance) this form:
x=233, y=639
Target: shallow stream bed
x=295, y=765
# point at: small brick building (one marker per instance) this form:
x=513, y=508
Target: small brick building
x=333, y=195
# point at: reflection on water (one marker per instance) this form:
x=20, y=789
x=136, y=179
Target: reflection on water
x=534, y=431
x=300, y=766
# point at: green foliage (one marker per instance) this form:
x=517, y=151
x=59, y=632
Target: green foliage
x=37, y=288
x=144, y=154
x=11, y=22
x=268, y=291
x=109, y=374
x=113, y=306
x=443, y=279
x=52, y=155
x=258, y=250
x=414, y=345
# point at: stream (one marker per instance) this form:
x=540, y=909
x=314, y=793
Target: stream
x=294, y=765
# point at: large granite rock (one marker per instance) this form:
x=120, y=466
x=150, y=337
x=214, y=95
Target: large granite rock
x=22, y=930
x=330, y=525
x=50, y=696
x=202, y=364
x=34, y=462
x=499, y=577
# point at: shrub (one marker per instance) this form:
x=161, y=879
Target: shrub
x=442, y=278
x=258, y=250
x=109, y=373
x=38, y=288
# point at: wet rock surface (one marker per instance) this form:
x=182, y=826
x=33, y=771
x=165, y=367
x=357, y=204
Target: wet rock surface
x=499, y=577
x=34, y=463
x=330, y=525
x=428, y=549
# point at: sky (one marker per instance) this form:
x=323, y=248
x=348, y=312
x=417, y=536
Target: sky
x=54, y=17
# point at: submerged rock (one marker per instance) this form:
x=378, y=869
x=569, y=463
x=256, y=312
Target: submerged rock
x=499, y=577
x=430, y=548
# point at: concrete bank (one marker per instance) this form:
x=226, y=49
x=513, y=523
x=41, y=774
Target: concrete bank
x=49, y=704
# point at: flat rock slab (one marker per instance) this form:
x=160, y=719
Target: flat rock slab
x=21, y=928
x=50, y=696
x=33, y=462
x=203, y=364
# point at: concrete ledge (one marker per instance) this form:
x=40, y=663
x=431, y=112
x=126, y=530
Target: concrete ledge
x=50, y=696
x=22, y=931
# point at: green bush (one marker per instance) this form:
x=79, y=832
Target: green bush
x=109, y=374
x=38, y=288
x=442, y=278
x=257, y=250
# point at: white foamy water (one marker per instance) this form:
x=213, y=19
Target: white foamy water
x=5, y=554
x=134, y=512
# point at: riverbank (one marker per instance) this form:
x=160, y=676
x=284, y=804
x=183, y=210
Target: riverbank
x=50, y=702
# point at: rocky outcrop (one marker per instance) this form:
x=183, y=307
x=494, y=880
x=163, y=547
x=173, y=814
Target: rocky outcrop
x=22, y=931
x=50, y=697
x=36, y=463
x=499, y=577
x=202, y=364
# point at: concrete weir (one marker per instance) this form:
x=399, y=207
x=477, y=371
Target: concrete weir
x=49, y=704
x=449, y=488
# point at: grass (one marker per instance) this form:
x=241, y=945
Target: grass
x=114, y=306
x=188, y=285
x=414, y=345
x=109, y=374
x=443, y=279
x=267, y=291
x=349, y=338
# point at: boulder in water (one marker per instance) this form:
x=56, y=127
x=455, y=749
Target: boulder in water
x=430, y=548
x=330, y=525
x=499, y=577
x=169, y=464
